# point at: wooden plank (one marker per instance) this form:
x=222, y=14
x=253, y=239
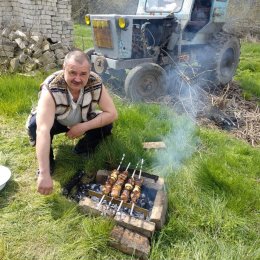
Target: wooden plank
x=141, y=226
x=130, y=243
x=154, y=145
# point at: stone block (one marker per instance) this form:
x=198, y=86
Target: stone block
x=140, y=226
x=129, y=242
x=14, y=65
x=158, y=214
x=56, y=46
x=22, y=58
x=21, y=43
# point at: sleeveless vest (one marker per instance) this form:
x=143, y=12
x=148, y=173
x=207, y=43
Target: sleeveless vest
x=58, y=88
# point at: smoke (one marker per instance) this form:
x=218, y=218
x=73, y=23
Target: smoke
x=181, y=142
x=187, y=84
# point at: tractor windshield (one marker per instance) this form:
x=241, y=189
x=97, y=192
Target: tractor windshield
x=166, y=6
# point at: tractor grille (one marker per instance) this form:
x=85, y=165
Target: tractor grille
x=102, y=33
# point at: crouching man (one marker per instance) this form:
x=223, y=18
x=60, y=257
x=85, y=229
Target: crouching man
x=67, y=104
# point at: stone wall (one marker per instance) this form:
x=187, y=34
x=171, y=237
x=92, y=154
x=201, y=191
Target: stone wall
x=52, y=18
x=244, y=17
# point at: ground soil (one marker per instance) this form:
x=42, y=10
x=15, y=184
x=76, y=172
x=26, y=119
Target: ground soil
x=222, y=108
x=234, y=114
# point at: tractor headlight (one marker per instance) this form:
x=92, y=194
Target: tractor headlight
x=123, y=23
x=87, y=19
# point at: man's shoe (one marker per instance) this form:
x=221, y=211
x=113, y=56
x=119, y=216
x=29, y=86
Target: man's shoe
x=85, y=152
x=84, y=147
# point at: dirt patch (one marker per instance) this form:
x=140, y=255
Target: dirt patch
x=222, y=108
x=231, y=112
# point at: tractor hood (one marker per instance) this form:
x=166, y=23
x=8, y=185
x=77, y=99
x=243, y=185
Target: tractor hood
x=113, y=33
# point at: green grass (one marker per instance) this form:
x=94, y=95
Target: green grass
x=19, y=86
x=212, y=182
x=82, y=37
x=248, y=73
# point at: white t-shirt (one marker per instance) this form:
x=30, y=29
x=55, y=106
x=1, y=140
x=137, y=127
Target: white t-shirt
x=74, y=116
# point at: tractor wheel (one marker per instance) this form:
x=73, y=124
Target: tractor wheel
x=227, y=53
x=88, y=53
x=145, y=82
x=105, y=76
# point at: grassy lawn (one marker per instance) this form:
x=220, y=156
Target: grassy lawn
x=82, y=37
x=212, y=182
x=248, y=73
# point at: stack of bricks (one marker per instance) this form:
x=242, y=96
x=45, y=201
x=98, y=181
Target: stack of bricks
x=25, y=52
x=49, y=20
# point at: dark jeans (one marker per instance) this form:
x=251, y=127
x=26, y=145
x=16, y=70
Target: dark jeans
x=87, y=144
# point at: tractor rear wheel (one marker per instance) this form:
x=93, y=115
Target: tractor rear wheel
x=227, y=57
x=146, y=82
x=227, y=53
x=219, y=65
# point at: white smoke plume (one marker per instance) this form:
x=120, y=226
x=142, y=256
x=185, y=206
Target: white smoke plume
x=180, y=143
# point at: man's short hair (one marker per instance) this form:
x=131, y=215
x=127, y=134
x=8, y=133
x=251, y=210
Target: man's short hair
x=76, y=55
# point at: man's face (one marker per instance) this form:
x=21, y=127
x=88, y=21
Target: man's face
x=76, y=74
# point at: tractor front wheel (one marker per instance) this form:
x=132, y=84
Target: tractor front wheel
x=146, y=82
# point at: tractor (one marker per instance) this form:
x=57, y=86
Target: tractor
x=164, y=43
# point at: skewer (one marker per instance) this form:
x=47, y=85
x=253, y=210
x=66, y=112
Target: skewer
x=123, y=157
x=109, y=204
x=127, y=166
x=142, y=161
x=135, y=170
x=120, y=205
x=139, y=177
x=101, y=200
x=132, y=209
x=117, y=171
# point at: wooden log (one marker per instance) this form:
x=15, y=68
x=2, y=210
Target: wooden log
x=129, y=242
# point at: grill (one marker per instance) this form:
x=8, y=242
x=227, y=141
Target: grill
x=102, y=33
x=136, y=225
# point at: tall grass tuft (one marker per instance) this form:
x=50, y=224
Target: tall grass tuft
x=17, y=93
x=248, y=72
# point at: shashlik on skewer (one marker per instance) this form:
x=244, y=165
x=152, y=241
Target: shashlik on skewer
x=136, y=193
x=127, y=189
x=128, y=186
x=117, y=187
x=106, y=189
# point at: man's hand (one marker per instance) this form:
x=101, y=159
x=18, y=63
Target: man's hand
x=76, y=131
x=45, y=184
